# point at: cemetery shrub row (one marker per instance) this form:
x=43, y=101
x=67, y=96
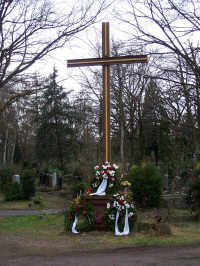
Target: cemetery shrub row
x=6, y=173
x=17, y=191
x=146, y=185
x=192, y=196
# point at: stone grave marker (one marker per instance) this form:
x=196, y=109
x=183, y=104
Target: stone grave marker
x=54, y=180
x=16, y=178
x=165, y=181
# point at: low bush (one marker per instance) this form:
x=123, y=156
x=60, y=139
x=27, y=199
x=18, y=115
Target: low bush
x=23, y=191
x=13, y=192
x=192, y=197
x=28, y=183
x=38, y=200
x=146, y=185
x=6, y=173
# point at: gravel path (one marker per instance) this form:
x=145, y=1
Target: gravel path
x=138, y=256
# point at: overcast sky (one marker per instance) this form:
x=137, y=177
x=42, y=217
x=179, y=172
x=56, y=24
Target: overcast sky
x=81, y=47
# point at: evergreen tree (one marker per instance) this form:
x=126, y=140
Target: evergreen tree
x=55, y=118
x=155, y=124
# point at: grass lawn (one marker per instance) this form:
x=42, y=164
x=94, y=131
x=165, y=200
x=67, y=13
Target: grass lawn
x=45, y=233
x=48, y=230
x=49, y=201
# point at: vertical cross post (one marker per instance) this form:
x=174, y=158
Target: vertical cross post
x=106, y=93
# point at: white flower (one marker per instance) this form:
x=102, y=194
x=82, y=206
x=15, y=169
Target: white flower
x=111, y=185
x=123, y=208
x=97, y=173
x=111, y=216
x=119, y=207
x=108, y=205
x=104, y=167
x=130, y=214
x=96, y=167
x=115, y=203
x=127, y=205
x=105, y=176
x=115, y=166
x=111, y=173
x=132, y=206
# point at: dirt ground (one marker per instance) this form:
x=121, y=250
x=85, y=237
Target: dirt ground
x=17, y=252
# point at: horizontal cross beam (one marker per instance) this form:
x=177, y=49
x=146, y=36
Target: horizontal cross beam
x=107, y=61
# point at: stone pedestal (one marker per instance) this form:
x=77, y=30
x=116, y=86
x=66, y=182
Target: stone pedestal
x=99, y=204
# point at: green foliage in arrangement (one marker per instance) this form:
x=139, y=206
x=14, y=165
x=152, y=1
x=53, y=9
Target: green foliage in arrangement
x=146, y=185
x=82, y=209
x=78, y=188
x=192, y=197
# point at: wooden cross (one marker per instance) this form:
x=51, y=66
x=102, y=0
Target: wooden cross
x=105, y=61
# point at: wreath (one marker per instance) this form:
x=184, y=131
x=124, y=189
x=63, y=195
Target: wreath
x=109, y=171
x=120, y=202
x=82, y=209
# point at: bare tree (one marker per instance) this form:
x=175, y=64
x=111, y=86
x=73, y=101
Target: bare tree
x=31, y=29
x=170, y=24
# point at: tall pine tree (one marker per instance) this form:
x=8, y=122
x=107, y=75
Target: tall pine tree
x=55, y=120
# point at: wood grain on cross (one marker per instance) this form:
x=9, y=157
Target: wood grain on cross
x=105, y=61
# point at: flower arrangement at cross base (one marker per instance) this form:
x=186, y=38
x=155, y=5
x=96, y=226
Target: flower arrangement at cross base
x=108, y=172
x=119, y=208
x=80, y=209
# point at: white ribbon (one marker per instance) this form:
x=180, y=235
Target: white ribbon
x=126, y=230
x=101, y=189
x=126, y=226
x=74, y=226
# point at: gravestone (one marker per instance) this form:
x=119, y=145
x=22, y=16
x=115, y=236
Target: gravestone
x=16, y=179
x=44, y=179
x=53, y=180
x=165, y=181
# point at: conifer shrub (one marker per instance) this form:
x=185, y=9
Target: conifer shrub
x=28, y=183
x=6, y=173
x=13, y=192
x=192, y=195
x=146, y=185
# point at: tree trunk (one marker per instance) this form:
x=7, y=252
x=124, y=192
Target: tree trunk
x=13, y=150
x=5, y=147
